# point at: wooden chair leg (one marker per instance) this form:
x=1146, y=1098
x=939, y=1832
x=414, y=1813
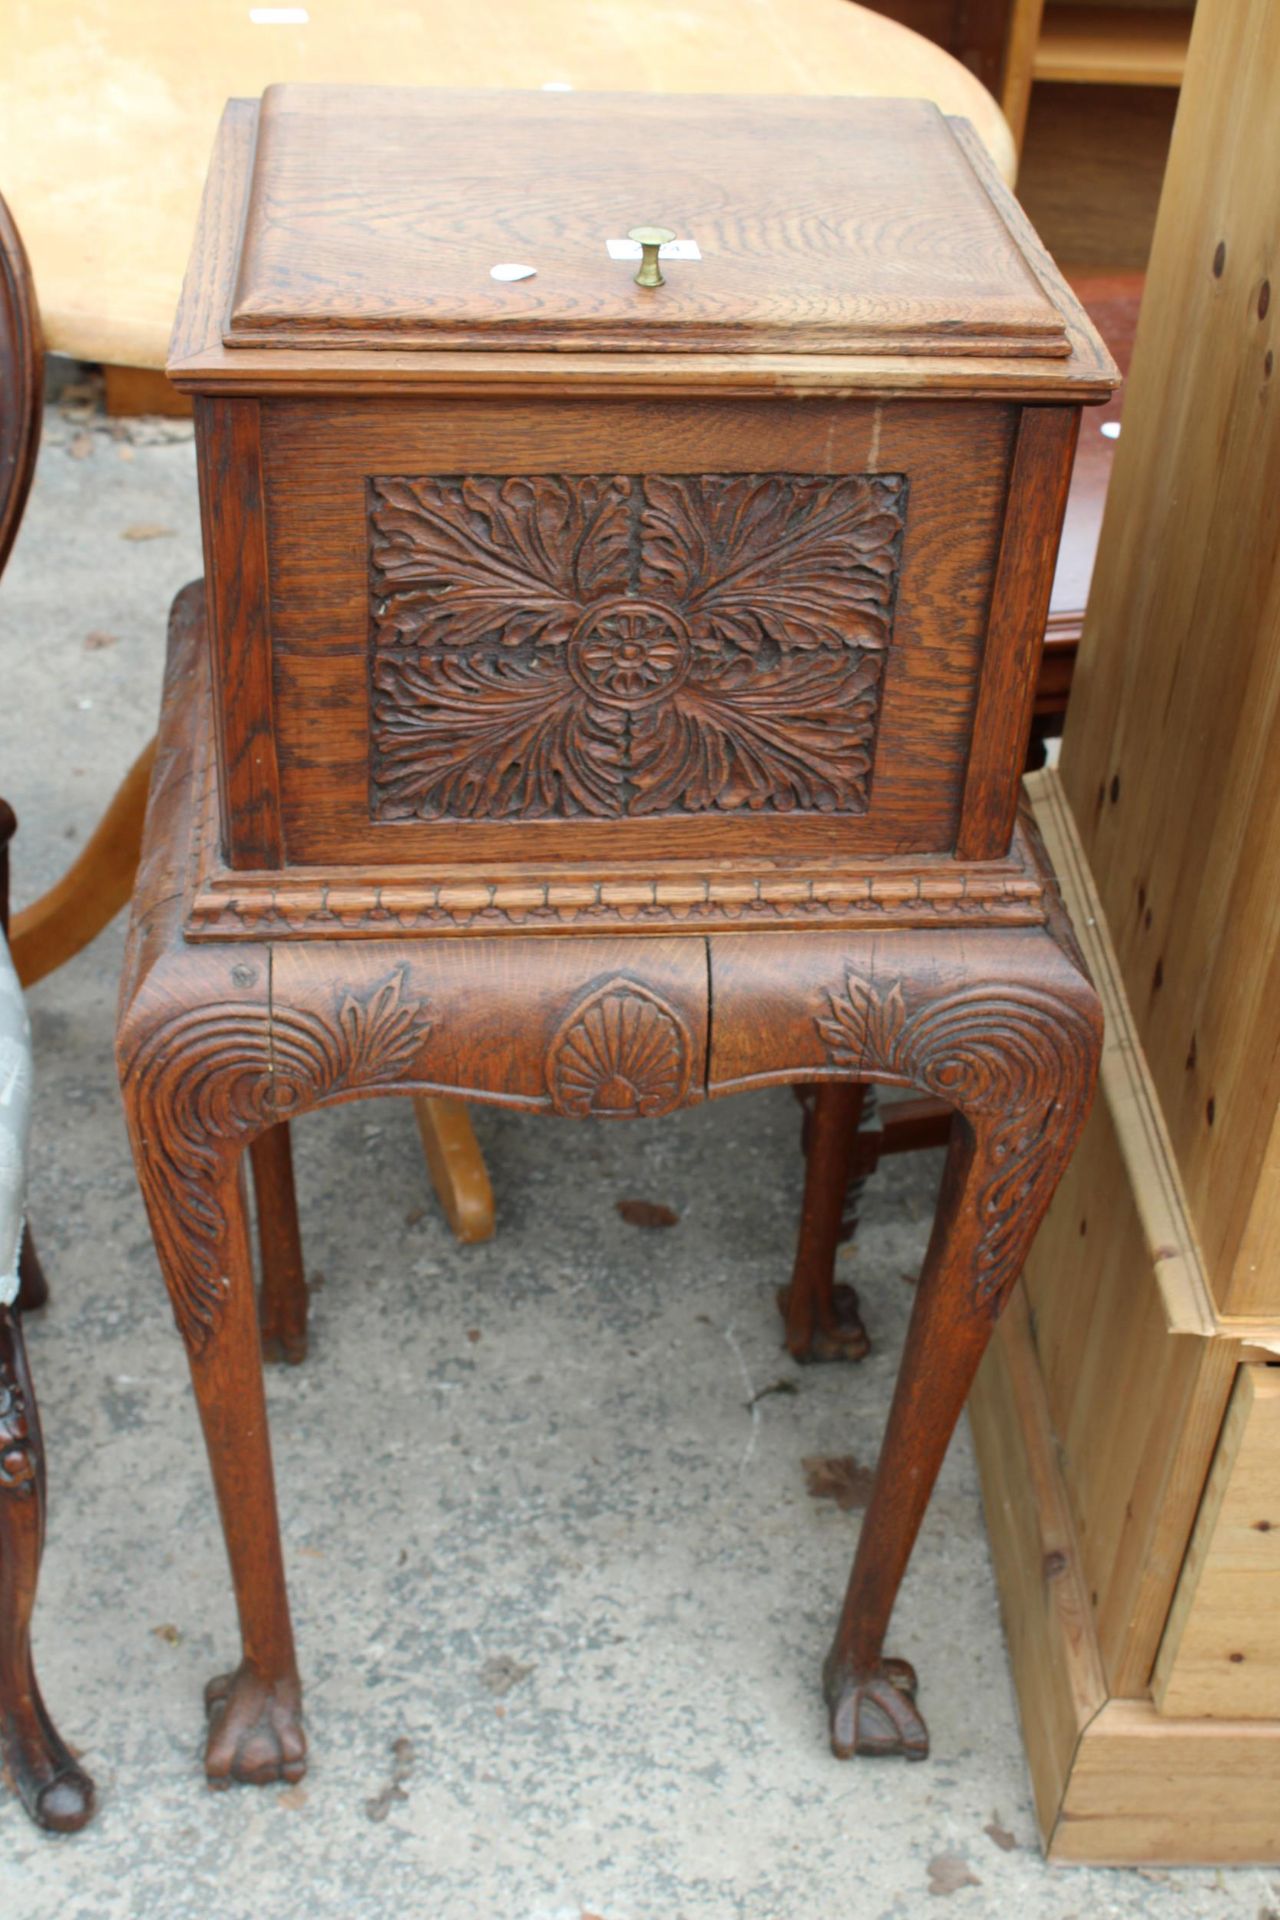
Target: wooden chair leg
x=456, y=1165
x=56, y=1792
x=282, y=1299
x=821, y=1318
x=95, y=886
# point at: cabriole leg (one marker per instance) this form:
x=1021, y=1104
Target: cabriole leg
x=1018, y=1063
x=197, y=1091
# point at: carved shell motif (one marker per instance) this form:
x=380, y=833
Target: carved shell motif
x=623, y=1053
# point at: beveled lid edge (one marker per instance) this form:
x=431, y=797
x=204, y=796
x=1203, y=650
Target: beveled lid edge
x=200, y=363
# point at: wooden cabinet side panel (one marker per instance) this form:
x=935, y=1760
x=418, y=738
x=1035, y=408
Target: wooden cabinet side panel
x=1220, y=1655
x=1173, y=739
x=229, y=452
x=1038, y=485
x=1136, y=1409
x=1044, y=1600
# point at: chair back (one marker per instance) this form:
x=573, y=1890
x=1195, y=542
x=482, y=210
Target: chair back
x=21, y=380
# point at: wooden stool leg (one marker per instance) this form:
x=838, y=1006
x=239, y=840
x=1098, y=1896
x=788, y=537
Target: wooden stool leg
x=456, y=1166
x=282, y=1300
x=1019, y=1067
x=822, y=1318
x=56, y=1792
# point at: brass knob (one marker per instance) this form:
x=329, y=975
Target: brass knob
x=649, y=239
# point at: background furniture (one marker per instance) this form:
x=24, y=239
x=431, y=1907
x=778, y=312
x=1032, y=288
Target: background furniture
x=56, y=1792
x=1090, y=43
x=1125, y=1419
x=109, y=232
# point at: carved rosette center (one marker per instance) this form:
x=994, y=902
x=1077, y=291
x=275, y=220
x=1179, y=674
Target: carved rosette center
x=629, y=651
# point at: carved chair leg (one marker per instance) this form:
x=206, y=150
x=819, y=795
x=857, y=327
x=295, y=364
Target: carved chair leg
x=56, y=1792
x=1006, y=1155
x=33, y=1288
x=282, y=1301
x=822, y=1319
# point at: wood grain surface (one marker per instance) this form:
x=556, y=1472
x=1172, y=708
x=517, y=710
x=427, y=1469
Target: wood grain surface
x=318, y=455
x=1173, y=738
x=374, y=217
x=199, y=361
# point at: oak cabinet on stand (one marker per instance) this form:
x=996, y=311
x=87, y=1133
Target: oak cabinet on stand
x=629, y=528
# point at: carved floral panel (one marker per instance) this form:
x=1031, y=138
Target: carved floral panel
x=615, y=646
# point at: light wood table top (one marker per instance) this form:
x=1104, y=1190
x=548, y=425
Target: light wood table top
x=108, y=107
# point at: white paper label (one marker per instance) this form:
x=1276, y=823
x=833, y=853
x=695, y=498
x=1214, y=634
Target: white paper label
x=511, y=270
x=672, y=250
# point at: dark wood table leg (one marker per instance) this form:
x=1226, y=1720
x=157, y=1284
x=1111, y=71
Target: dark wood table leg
x=57, y=1793
x=822, y=1318
x=282, y=1301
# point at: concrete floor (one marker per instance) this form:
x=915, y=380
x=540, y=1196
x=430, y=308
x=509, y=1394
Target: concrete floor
x=561, y=1594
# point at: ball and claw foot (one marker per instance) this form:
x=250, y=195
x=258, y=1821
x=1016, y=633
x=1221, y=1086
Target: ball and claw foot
x=57, y=1793
x=877, y=1715
x=283, y=1349
x=255, y=1730
x=846, y=1340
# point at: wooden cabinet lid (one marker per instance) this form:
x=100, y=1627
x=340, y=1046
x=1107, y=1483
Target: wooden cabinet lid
x=375, y=218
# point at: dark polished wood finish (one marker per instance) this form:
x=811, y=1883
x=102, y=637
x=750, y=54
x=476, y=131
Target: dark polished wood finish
x=56, y=1791
x=675, y=660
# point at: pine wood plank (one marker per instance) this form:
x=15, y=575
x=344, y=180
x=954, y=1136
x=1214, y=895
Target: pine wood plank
x=1114, y=1274
x=1150, y=1790
x=1180, y=661
x=1044, y=1598
x=1220, y=1655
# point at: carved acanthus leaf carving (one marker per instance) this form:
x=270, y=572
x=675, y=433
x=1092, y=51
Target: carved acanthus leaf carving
x=618, y=646
x=621, y=1053
x=204, y=1084
x=1017, y=1061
